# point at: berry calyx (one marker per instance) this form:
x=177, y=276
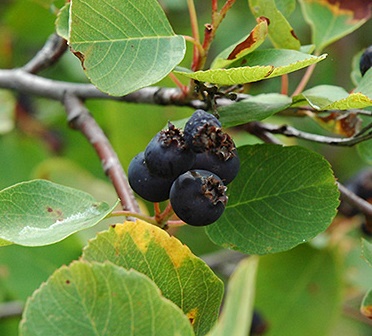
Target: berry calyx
x=150, y=187
x=167, y=154
x=200, y=131
x=198, y=197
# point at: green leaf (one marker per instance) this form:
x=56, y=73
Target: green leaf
x=263, y=64
x=330, y=97
x=359, y=272
x=35, y=264
x=253, y=108
x=366, y=307
x=330, y=20
x=123, y=45
x=238, y=307
x=40, y=212
x=282, y=197
x=364, y=85
x=286, y=7
x=299, y=291
x=101, y=299
x=365, y=151
x=237, y=51
x=182, y=277
x=62, y=24
x=356, y=75
x=280, y=31
x=367, y=251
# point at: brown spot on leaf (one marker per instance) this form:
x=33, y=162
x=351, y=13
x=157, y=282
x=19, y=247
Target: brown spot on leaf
x=270, y=71
x=68, y=282
x=294, y=34
x=249, y=41
x=80, y=56
x=56, y=213
x=192, y=314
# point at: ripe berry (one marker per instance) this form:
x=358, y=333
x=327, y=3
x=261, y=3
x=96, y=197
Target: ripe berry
x=167, y=154
x=198, y=197
x=150, y=187
x=214, y=162
x=365, y=60
x=200, y=129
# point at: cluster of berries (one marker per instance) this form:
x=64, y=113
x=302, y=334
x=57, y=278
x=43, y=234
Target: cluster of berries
x=191, y=168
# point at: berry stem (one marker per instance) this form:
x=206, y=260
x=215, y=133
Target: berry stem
x=80, y=118
x=175, y=223
x=157, y=212
x=284, y=89
x=123, y=213
x=176, y=81
x=305, y=79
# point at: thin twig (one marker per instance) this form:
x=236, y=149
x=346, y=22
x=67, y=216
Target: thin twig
x=11, y=309
x=80, y=119
x=21, y=81
x=290, y=131
x=354, y=200
x=256, y=129
x=51, y=52
x=211, y=29
x=364, y=130
x=195, y=32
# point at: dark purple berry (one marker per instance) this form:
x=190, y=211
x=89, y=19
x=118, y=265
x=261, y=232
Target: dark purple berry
x=365, y=60
x=200, y=129
x=167, y=154
x=366, y=227
x=258, y=325
x=215, y=163
x=149, y=186
x=198, y=197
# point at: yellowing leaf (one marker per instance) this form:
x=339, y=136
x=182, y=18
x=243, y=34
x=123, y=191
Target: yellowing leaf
x=329, y=97
x=332, y=20
x=263, y=64
x=181, y=276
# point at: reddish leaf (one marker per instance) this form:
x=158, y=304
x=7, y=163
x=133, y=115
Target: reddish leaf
x=360, y=9
x=251, y=40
